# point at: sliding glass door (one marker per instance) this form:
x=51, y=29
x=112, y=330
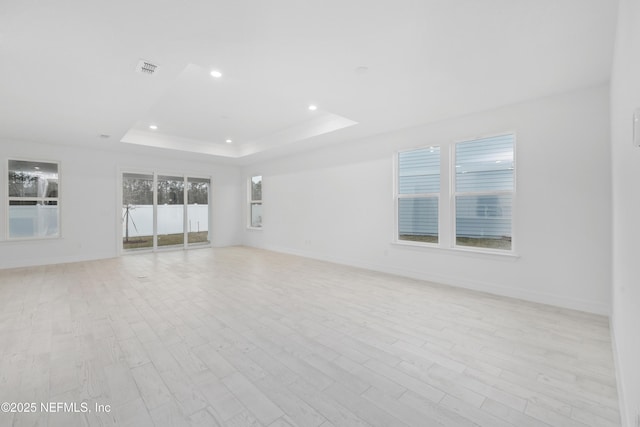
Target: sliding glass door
x=157, y=212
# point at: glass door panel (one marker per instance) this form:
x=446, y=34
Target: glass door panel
x=170, y=211
x=137, y=211
x=197, y=210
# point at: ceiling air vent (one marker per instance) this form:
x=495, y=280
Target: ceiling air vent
x=146, y=67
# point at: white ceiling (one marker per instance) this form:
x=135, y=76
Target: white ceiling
x=67, y=68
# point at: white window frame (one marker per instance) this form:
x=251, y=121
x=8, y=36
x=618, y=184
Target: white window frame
x=155, y=248
x=251, y=202
x=9, y=198
x=454, y=193
x=447, y=210
x=398, y=196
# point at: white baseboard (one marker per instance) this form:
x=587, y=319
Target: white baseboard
x=594, y=307
x=54, y=260
x=538, y=297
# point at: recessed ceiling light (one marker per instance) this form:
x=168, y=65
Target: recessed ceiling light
x=153, y=127
x=228, y=141
x=215, y=73
x=313, y=107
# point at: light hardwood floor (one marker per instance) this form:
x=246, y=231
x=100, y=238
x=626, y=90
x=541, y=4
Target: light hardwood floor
x=244, y=337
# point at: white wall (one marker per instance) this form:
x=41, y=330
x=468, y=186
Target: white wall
x=90, y=210
x=337, y=204
x=625, y=98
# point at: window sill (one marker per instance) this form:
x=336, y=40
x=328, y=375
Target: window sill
x=412, y=243
x=254, y=228
x=457, y=250
x=31, y=239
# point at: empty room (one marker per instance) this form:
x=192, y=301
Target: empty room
x=320, y=213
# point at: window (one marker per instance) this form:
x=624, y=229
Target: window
x=418, y=195
x=255, y=202
x=484, y=185
x=158, y=212
x=478, y=188
x=34, y=210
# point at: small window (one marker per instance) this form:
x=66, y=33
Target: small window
x=255, y=202
x=34, y=209
x=418, y=195
x=484, y=186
